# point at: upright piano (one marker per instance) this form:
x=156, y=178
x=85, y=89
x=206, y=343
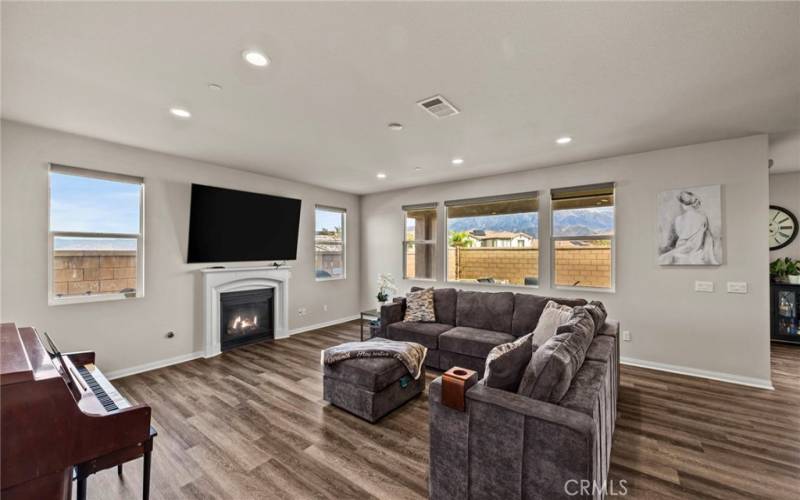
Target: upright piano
x=58, y=413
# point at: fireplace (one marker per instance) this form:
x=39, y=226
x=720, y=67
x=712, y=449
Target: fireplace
x=246, y=316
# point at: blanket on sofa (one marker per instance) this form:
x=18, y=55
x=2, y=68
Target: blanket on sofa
x=411, y=354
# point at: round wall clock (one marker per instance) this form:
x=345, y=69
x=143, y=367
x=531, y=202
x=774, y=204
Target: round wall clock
x=783, y=227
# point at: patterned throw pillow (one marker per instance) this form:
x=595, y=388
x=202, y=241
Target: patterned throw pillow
x=419, y=307
x=506, y=363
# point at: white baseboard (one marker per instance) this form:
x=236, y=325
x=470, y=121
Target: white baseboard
x=325, y=324
x=695, y=372
x=124, y=372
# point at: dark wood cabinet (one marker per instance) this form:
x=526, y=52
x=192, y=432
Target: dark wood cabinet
x=785, y=312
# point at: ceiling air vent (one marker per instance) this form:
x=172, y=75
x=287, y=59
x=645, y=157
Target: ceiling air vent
x=438, y=106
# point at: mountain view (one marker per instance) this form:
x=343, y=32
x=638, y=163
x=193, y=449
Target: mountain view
x=578, y=222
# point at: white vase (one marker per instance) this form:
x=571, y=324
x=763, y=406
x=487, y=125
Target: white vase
x=794, y=279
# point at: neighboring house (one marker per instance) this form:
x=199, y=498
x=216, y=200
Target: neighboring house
x=500, y=239
x=328, y=251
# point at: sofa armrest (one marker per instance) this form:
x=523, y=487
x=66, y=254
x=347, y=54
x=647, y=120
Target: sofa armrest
x=392, y=313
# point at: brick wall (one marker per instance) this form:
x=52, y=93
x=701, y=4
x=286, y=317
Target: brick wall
x=82, y=272
x=590, y=266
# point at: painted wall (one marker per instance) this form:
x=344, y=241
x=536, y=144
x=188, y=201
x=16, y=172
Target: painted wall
x=130, y=333
x=784, y=191
x=713, y=334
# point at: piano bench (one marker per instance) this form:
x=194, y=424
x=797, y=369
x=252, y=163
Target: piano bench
x=116, y=459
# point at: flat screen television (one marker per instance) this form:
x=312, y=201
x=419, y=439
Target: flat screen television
x=226, y=225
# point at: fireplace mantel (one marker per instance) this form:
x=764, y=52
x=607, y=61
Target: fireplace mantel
x=217, y=281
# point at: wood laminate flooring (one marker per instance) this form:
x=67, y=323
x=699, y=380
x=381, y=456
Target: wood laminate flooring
x=251, y=423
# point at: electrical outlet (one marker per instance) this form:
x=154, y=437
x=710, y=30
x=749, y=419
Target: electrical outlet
x=626, y=335
x=302, y=311
x=737, y=287
x=325, y=307
x=703, y=286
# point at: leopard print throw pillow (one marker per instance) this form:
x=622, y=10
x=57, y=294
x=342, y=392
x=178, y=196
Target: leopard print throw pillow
x=419, y=306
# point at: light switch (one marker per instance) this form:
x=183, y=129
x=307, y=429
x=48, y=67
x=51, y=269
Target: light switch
x=703, y=286
x=737, y=287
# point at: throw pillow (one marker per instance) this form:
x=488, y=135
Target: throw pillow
x=549, y=374
x=506, y=363
x=598, y=312
x=553, y=316
x=419, y=306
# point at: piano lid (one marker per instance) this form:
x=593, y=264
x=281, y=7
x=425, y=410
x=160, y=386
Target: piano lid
x=15, y=366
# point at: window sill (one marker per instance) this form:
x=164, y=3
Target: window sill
x=427, y=280
x=584, y=289
x=84, y=299
x=493, y=285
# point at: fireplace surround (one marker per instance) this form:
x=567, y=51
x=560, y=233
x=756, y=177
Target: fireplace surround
x=239, y=287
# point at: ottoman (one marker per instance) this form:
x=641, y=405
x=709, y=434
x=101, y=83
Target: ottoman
x=370, y=387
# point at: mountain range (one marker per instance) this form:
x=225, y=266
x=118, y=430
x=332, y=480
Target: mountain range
x=580, y=222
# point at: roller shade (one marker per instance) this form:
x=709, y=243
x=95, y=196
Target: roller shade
x=594, y=195
x=95, y=174
x=494, y=205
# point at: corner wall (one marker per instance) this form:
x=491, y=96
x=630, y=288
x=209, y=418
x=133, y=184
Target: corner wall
x=131, y=333
x=716, y=335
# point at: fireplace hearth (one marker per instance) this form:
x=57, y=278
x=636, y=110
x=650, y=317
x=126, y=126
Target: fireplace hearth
x=246, y=316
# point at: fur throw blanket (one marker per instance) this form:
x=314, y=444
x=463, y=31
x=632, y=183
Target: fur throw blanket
x=412, y=355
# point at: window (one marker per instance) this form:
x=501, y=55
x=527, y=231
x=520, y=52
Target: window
x=419, y=242
x=494, y=240
x=329, y=243
x=96, y=235
x=583, y=236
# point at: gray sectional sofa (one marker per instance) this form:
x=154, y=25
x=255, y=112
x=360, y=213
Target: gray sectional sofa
x=506, y=445
x=468, y=324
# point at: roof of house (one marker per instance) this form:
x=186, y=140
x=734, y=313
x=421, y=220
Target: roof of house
x=480, y=234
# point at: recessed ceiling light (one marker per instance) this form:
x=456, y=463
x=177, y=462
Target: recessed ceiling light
x=180, y=112
x=396, y=126
x=564, y=140
x=214, y=86
x=255, y=57
x=457, y=161
x=381, y=175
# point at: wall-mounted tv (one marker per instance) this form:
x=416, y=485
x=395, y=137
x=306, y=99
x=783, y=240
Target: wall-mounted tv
x=226, y=225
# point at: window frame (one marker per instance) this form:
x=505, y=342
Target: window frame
x=343, y=213
x=612, y=239
x=491, y=199
x=405, y=242
x=52, y=298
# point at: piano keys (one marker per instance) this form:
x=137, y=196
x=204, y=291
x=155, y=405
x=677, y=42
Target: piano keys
x=59, y=413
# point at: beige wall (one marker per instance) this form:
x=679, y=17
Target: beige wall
x=131, y=332
x=784, y=191
x=713, y=334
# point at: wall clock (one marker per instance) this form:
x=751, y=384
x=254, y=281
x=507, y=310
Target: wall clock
x=783, y=227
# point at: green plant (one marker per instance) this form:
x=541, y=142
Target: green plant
x=781, y=268
x=460, y=239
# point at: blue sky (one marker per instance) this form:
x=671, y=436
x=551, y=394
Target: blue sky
x=93, y=205
x=327, y=220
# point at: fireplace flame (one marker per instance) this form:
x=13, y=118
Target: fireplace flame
x=240, y=325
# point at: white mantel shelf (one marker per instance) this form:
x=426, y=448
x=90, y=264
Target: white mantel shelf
x=234, y=279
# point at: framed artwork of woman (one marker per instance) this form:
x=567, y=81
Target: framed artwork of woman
x=690, y=226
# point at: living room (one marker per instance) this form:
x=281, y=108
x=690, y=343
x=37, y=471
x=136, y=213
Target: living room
x=586, y=187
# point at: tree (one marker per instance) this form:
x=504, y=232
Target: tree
x=460, y=239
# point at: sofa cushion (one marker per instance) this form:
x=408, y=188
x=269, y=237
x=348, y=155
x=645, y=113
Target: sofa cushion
x=603, y=348
x=426, y=334
x=485, y=310
x=506, y=363
x=586, y=388
x=553, y=365
x=598, y=312
x=472, y=341
x=528, y=308
x=553, y=316
x=444, y=304
x=373, y=374
x=419, y=306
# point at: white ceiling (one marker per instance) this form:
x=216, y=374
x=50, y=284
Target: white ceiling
x=620, y=78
